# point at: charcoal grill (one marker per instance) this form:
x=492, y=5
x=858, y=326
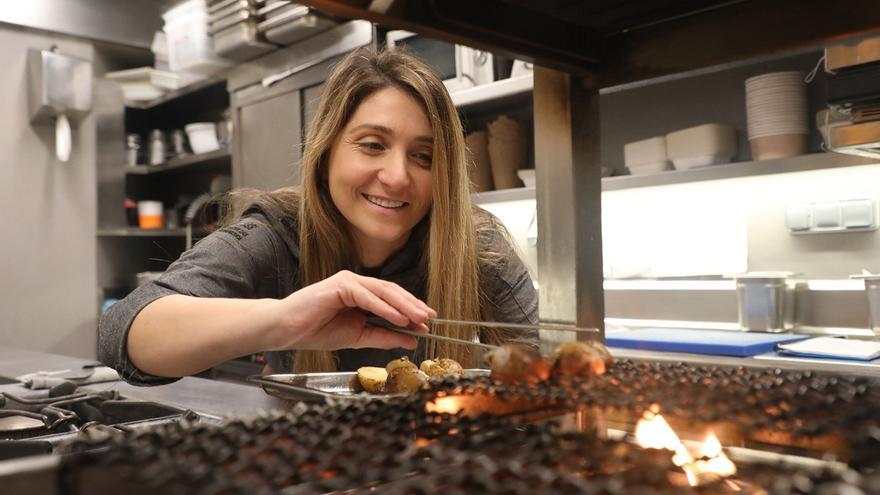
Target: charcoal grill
x=510, y=439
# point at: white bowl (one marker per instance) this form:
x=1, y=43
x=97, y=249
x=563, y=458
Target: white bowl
x=527, y=175
x=645, y=151
x=650, y=168
x=701, y=140
x=202, y=137
x=689, y=162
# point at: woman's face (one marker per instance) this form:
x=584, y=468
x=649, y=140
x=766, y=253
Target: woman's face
x=380, y=172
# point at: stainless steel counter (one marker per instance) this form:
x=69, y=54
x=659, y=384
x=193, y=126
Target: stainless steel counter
x=214, y=398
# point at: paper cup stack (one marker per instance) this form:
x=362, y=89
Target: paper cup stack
x=776, y=112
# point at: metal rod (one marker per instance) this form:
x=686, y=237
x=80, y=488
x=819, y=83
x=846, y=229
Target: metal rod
x=379, y=322
x=517, y=326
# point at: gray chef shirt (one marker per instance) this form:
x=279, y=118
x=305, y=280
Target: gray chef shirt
x=258, y=257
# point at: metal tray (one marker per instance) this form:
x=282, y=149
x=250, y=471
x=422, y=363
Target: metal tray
x=341, y=385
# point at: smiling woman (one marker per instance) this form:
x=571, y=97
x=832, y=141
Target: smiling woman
x=381, y=224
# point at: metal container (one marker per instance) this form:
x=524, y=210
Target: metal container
x=872, y=292
x=241, y=42
x=764, y=302
x=293, y=23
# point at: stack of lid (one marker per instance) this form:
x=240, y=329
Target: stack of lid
x=776, y=113
x=233, y=27
x=286, y=22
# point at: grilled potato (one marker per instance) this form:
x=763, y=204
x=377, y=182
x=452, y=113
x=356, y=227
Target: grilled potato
x=398, y=363
x=372, y=378
x=404, y=380
x=518, y=363
x=441, y=368
x=582, y=359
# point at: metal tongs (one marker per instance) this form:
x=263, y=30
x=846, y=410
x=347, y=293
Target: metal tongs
x=381, y=322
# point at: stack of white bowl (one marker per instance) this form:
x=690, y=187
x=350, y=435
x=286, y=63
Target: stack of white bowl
x=776, y=112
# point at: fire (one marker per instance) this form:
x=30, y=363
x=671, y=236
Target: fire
x=652, y=431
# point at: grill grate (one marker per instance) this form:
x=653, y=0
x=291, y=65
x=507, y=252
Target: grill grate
x=396, y=447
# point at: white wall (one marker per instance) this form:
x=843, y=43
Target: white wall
x=48, y=299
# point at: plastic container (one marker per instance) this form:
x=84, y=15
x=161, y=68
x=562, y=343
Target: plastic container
x=645, y=151
x=650, y=168
x=150, y=214
x=707, y=144
x=190, y=48
x=202, y=137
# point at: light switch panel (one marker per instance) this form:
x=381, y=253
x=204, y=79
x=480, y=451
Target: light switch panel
x=827, y=215
x=858, y=214
x=797, y=217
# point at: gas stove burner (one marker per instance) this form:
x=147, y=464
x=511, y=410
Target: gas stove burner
x=37, y=422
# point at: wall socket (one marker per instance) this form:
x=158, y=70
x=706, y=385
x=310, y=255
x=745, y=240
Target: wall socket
x=849, y=215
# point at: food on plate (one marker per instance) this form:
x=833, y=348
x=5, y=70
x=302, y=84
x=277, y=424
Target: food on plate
x=404, y=380
x=518, y=363
x=401, y=375
x=441, y=368
x=399, y=363
x=582, y=359
x=372, y=378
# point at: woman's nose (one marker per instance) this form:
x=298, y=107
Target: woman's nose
x=394, y=172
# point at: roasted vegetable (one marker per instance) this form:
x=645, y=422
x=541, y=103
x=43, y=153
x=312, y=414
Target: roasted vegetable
x=397, y=363
x=518, y=363
x=441, y=368
x=582, y=359
x=404, y=380
x=372, y=378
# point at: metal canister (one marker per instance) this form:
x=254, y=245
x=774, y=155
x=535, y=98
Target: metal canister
x=762, y=302
x=178, y=143
x=132, y=149
x=158, y=147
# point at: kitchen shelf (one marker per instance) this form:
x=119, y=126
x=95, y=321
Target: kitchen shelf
x=803, y=163
x=178, y=93
x=215, y=159
x=138, y=232
x=493, y=95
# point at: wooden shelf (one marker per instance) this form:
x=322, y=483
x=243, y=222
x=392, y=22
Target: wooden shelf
x=495, y=94
x=215, y=159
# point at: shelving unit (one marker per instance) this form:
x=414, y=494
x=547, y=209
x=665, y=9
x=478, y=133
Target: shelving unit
x=179, y=93
x=497, y=94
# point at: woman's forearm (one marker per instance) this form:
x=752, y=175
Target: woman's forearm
x=182, y=335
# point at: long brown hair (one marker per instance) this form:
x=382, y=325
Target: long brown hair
x=448, y=233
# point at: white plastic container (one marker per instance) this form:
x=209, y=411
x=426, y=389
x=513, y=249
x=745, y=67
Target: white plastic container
x=190, y=48
x=527, y=175
x=202, y=137
x=646, y=151
x=650, y=168
x=707, y=144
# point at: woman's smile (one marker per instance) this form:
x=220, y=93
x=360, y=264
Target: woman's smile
x=388, y=204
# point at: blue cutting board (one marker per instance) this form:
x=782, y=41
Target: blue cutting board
x=718, y=342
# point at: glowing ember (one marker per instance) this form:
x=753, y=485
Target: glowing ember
x=652, y=431
x=440, y=405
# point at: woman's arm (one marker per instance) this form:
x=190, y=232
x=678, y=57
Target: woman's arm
x=180, y=335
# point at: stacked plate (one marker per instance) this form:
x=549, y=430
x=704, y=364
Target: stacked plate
x=776, y=113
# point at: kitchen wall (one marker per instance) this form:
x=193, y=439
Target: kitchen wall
x=47, y=294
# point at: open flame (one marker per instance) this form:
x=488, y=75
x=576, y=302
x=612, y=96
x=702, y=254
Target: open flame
x=652, y=431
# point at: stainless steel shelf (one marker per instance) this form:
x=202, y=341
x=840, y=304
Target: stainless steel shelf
x=184, y=91
x=138, y=232
x=213, y=159
x=815, y=161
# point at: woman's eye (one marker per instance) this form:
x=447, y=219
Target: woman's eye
x=424, y=157
x=371, y=146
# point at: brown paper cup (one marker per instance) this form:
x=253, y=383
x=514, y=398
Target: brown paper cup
x=478, y=161
x=507, y=151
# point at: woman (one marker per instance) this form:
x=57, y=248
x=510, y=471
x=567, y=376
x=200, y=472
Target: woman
x=382, y=222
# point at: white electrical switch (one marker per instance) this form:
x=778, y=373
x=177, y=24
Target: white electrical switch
x=827, y=215
x=797, y=217
x=858, y=213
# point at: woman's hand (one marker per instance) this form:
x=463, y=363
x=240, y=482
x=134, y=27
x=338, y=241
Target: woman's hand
x=331, y=314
